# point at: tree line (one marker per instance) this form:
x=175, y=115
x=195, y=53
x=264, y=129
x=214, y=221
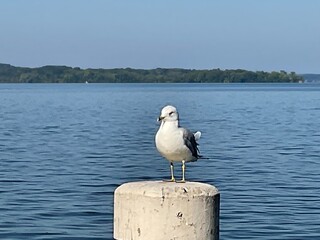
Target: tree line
x=64, y=74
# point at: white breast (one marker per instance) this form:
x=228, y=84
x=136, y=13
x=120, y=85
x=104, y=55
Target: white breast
x=170, y=144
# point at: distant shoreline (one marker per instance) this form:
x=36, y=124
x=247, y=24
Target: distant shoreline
x=64, y=74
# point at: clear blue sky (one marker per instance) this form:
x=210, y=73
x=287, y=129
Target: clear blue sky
x=228, y=34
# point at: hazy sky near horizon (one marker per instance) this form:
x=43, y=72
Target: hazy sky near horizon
x=228, y=34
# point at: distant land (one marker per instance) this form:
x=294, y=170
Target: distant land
x=64, y=74
x=311, y=78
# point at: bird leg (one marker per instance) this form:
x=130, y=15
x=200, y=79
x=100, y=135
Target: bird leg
x=183, y=171
x=171, y=170
x=183, y=180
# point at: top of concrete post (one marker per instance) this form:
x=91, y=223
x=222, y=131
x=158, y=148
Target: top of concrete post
x=158, y=188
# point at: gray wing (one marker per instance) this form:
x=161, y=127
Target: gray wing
x=190, y=142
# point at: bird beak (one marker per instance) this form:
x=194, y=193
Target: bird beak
x=160, y=118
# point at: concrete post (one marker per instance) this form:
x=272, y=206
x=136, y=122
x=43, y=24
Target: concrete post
x=156, y=210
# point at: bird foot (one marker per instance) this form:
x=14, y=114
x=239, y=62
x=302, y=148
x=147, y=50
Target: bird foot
x=170, y=180
x=181, y=181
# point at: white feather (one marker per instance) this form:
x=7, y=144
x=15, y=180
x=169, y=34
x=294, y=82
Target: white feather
x=197, y=135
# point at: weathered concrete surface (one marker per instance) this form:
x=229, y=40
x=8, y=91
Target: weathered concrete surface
x=156, y=210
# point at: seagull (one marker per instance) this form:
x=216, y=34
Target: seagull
x=175, y=143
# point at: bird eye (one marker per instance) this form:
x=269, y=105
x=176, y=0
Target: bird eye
x=171, y=113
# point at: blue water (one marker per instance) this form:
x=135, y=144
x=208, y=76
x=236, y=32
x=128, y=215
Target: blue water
x=65, y=148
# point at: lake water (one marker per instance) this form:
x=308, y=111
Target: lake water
x=65, y=148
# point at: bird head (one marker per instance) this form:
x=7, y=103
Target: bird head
x=169, y=113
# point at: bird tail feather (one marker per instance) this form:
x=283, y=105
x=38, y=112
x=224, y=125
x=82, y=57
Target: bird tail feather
x=197, y=135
